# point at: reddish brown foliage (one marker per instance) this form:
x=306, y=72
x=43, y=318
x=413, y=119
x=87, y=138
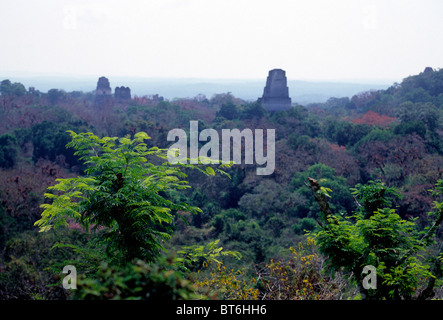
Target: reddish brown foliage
x=340, y=159
x=336, y=147
x=374, y=119
x=22, y=189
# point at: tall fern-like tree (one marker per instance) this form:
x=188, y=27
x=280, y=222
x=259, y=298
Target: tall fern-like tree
x=122, y=195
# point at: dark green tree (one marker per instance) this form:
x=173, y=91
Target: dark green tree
x=228, y=110
x=55, y=96
x=49, y=140
x=8, y=150
x=342, y=200
x=9, y=88
x=426, y=113
x=253, y=110
x=136, y=281
x=302, y=142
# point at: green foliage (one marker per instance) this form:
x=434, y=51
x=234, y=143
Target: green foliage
x=49, y=140
x=228, y=111
x=8, y=150
x=31, y=268
x=158, y=117
x=195, y=257
x=376, y=134
x=341, y=201
x=7, y=227
x=373, y=196
x=410, y=127
x=121, y=193
x=267, y=197
x=381, y=238
x=303, y=225
x=253, y=110
x=135, y=281
x=302, y=142
x=222, y=98
x=426, y=113
x=389, y=241
x=86, y=257
x=222, y=221
x=422, y=87
x=243, y=232
x=55, y=96
x=9, y=88
x=346, y=133
x=341, y=242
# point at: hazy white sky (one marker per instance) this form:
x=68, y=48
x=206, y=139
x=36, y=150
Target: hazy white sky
x=310, y=39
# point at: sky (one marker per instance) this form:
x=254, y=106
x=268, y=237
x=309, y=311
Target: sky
x=222, y=39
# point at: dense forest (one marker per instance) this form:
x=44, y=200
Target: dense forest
x=357, y=181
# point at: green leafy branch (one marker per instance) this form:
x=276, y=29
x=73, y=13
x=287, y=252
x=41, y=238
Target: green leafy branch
x=122, y=195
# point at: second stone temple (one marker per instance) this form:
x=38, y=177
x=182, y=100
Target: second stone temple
x=276, y=93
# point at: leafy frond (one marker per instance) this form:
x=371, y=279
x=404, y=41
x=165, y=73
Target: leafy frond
x=122, y=191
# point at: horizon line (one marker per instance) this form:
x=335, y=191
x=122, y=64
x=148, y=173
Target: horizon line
x=28, y=75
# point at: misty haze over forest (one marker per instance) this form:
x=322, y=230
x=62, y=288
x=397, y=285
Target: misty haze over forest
x=302, y=92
